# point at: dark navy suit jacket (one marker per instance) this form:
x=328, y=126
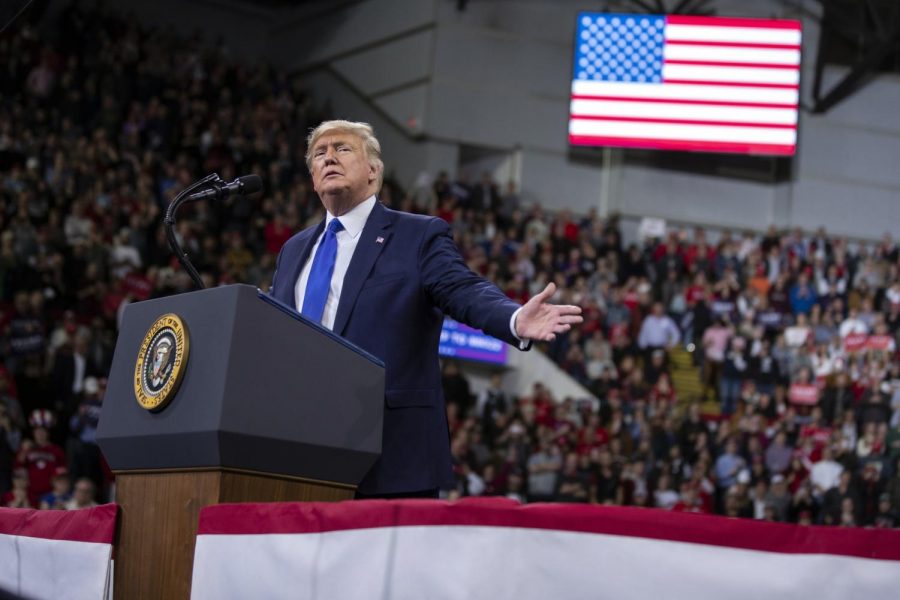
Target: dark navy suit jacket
x=405, y=275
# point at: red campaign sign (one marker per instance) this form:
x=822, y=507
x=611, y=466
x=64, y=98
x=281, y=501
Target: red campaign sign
x=855, y=342
x=878, y=342
x=804, y=393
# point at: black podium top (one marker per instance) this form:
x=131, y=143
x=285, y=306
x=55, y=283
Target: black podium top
x=264, y=390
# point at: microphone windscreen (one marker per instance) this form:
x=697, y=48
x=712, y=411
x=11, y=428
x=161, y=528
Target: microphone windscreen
x=250, y=184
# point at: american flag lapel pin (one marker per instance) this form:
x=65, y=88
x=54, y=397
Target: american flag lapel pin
x=379, y=240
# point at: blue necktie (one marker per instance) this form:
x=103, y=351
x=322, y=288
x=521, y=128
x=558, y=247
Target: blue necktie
x=319, y=283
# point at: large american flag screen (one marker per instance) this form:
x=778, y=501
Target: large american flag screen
x=671, y=82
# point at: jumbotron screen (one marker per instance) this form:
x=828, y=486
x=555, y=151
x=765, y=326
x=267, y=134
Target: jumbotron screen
x=462, y=341
x=707, y=84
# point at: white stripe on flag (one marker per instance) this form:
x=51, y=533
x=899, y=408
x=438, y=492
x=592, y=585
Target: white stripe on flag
x=671, y=131
x=676, y=91
x=691, y=112
x=482, y=562
x=731, y=74
x=729, y=54
x=718, y=33
x=43, y=568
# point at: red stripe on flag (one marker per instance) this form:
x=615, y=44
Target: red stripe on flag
x=715, y=63
x=733, y=22
x=321, y=517
x=682, y=121
x=680, y=101
x=687, y=145
x=734, y=45
x=96, y=525
x=781, y=86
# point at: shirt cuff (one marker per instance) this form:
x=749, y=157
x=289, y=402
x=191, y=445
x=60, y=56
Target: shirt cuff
x=523, y=344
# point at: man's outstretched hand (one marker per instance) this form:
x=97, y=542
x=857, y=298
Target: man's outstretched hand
x=540, y=321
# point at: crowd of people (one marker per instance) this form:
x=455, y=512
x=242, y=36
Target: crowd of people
x=794, y=335
x=102, y=123
x=794, y=338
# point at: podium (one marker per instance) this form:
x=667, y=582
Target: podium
x=263, y=406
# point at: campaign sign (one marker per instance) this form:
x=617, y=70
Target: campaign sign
x=804, y=393
x=462, y=341
x=879, y=342
x=855, y=342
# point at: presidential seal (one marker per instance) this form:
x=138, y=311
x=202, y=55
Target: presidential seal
x=161, y=362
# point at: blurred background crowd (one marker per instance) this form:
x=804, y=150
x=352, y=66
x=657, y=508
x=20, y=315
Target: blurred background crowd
x=791, y=406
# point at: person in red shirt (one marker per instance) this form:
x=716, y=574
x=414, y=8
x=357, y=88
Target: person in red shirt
x=18, y=496
x=588, y=440
x=671, y=246
x=688, y=500
x=517, y=289
x=447, y=209
x=276, y=233
x=599, y=436
x=543, y=406
x=40, y=457
x=700, y=257
x=698, y=291
x=817, y=432
x=570, y=229
x=797, y=473
x=662, y=394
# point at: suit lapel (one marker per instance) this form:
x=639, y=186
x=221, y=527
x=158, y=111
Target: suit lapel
x=295, y=267
x=367, y=251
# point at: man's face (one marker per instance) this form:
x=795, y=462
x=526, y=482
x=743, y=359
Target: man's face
x=84, y=492
x=341, y=172
x=40, y=436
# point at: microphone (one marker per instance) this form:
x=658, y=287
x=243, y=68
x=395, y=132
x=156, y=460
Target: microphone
x=246, y=185
x=216, y=190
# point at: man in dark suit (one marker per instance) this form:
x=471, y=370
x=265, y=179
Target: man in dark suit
x=384, y=280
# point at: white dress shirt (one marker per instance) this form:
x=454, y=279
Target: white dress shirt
x=347, y=239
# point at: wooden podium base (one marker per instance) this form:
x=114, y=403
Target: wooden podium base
x=154, y=549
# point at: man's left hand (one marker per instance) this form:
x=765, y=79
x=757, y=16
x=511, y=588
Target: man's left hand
x=540, y=321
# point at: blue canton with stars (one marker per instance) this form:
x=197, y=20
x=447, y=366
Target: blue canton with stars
x=620, y=48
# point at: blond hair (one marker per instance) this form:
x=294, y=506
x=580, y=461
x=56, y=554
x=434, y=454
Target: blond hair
x=363, y=131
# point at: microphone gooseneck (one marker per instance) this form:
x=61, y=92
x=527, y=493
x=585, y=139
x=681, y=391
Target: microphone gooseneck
x=217, y=189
